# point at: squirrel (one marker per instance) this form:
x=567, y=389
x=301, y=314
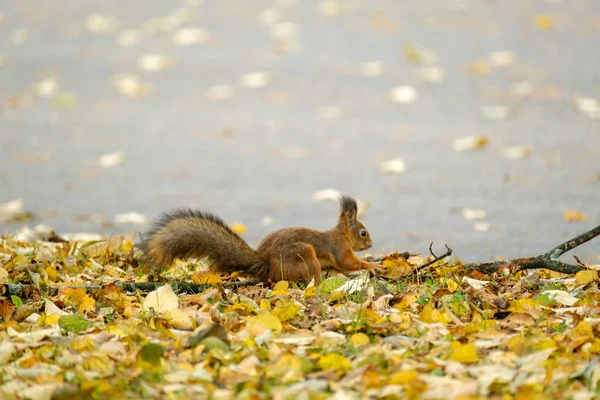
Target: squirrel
x=293, y=254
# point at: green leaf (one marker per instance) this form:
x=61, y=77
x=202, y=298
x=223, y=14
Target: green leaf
x=152, y=353
x=16, y=300
x=73, y=323
x=330, y=284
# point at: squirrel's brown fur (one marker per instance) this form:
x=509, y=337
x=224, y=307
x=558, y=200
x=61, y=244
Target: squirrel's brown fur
x=286, y=254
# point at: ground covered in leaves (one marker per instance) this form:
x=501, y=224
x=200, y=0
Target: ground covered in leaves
x=437, y=332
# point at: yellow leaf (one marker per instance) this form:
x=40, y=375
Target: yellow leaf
x=335, y=361
x=480, y=68
x=280, y=289
x=52, y=273
x=572, y=215
x=239, y=228
x=412, y=54
x=79, y=299
x=179, y=320
x=337, y=296
x=206, y=277
x=359, y=340
x=545, y=344
x=127, y=245
x=451, y=285
x=584, y=329
x=287, y=311
x=288, y=369
x=311, y=291
x=403, y=377
x=464, y=353
x=406, y=301
x=281, y=285
x=595, y=347
x=587, y=276
x=264, y=320
x=50, y=319
x=243, y=307
x=371, y=379
x=430, y=315
x=543, y=22
x=265, y=305
x=522, y=305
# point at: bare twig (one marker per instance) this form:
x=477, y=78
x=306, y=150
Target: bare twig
x=547, y=260
x=571, y=244
x=436, y=258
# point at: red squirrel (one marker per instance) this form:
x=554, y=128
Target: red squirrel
x=292, y=254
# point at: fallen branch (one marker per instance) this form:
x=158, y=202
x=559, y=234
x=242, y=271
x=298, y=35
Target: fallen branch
x=16, y=289
x=435, y=258
x=548, y=260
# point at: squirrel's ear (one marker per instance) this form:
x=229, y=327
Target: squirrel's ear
x=351, y=215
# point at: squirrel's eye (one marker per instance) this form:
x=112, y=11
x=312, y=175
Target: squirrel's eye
x=363, y=233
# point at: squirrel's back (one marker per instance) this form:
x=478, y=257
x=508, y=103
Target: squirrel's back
x=189, y=233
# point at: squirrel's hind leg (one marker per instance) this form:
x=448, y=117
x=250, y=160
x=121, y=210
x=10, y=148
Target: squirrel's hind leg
x=297, y=262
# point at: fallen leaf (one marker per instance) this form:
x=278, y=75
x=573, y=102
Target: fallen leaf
x=161, y=300
x=572, y=215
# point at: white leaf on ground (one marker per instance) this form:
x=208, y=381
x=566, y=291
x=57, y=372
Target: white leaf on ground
x=330, y=8
x=11, y=209
x=39, y=392
x=353, y=285
x=46, y=87
x=129, y=38
x=219, y=93
x=131, y=218
x=403, y=94
x=521, y=89
x=34, y=336
x=255, y=80
x=82, y=237
x=190, y=36
x=131, y=85
x=161, y=300
x=395, y=166
x=475, y=283
x=111, y=159
x=51, y=308
x=472, y=214
x=495, y=113
x=373, y=69
x=502, y=58
x=326, y=194
x=431, y=74
x=561, y=297
x=96, y=23
x=481, y=226
x=269, y=16
x=517, y=152
x=153, y=62
x=469, y=143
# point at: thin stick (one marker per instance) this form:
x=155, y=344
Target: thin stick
x=436, y=258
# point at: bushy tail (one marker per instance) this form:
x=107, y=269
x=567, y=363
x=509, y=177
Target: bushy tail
x=187, y=233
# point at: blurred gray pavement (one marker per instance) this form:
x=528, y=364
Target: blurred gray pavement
x=319, y=122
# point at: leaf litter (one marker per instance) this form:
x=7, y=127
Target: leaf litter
x=443, y=331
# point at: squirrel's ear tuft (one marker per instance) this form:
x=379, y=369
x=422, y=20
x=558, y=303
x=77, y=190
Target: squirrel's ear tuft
x=349, y=207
